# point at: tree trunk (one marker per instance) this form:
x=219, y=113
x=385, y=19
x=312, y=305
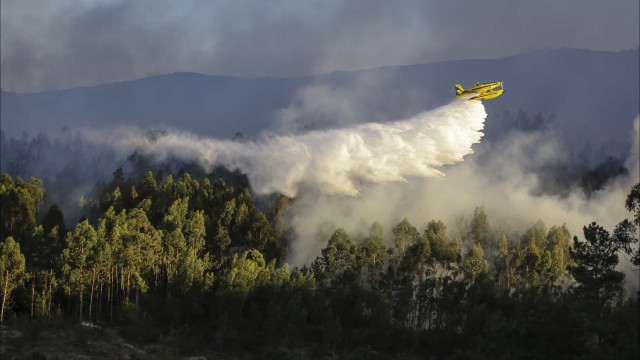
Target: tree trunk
x=80, y=307
x=128, y=286
x=4, y=294
x=121, y=294
x=100, y=301
x=122, y=289
x=117, y=283
x=93, y=277
x=110, y=295
x=136, y=302
x=49, y=305
x=33, y=292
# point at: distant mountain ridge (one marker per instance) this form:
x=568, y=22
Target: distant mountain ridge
x=594, y=95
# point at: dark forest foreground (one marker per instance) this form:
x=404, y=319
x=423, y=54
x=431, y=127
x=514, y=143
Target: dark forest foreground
x=193, y=267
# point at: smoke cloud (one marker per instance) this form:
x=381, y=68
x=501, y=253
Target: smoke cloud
x=498, y=176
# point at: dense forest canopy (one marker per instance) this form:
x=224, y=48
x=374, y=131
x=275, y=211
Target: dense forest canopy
x=196, y=254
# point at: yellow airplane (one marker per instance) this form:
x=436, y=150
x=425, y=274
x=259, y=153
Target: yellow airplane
x=484, y=91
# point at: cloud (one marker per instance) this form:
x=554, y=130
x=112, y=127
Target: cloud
x=68, y=43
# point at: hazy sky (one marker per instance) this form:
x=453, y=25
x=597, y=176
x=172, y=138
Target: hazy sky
x=67, y=43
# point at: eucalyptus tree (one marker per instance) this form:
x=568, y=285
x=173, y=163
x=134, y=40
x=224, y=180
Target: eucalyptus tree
x=474, y=263
x=480, y=227
x=260, y=236
x=372, y=252
x=445, y=251
x=12, y=269
x=340, y=255
x=141, y=249
x=109, y=254
x=559, y=244
x=534, y=261
x=404, y=235
x=173, y=241
x=77, y=259
x=19, y=204
x=193, y=263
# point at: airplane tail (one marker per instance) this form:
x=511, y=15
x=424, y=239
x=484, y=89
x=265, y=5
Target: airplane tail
x=459, y=89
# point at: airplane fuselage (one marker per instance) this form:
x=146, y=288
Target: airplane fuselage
x=482, y=91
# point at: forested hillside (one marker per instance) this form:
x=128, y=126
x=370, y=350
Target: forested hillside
x=194, y=265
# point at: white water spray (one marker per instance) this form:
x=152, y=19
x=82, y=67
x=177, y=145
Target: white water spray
x=332, y=161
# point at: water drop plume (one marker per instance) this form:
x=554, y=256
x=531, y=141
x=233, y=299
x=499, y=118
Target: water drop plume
x=334, y=161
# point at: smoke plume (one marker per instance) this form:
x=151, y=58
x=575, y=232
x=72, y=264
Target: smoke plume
x=499, y=177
